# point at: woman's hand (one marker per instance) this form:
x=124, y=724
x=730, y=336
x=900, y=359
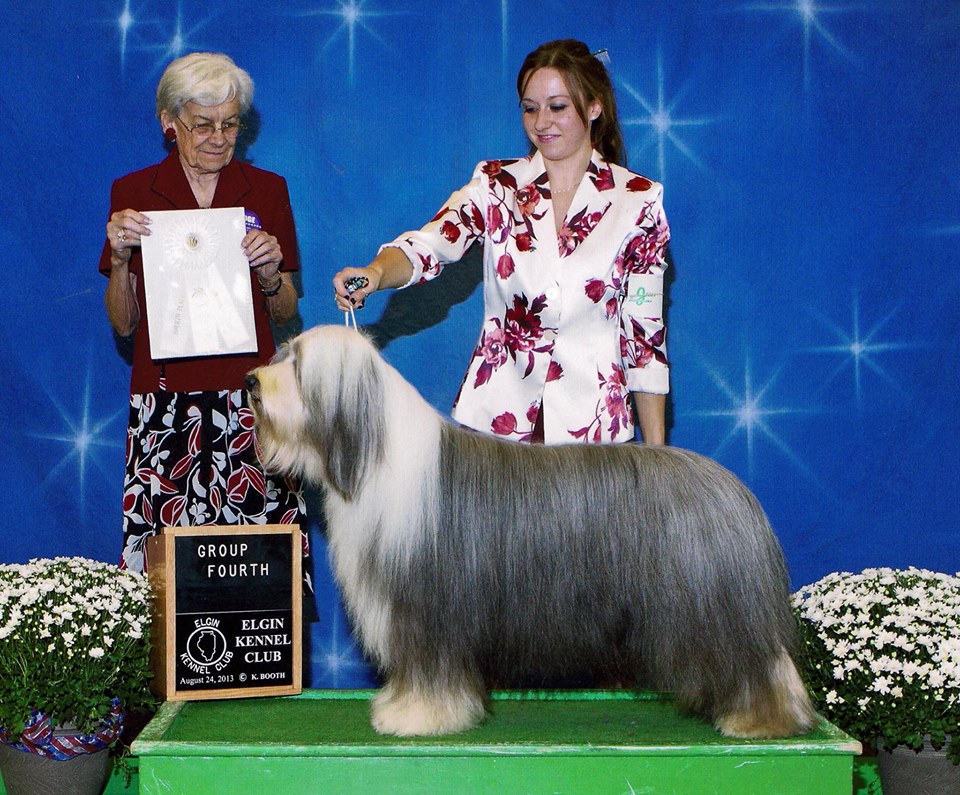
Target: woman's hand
x=389, y=269
x=264, y=255
x=366, y=281
x=124, y=231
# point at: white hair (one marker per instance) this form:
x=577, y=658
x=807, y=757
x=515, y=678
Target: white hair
x=466, y=560
x=207, y=78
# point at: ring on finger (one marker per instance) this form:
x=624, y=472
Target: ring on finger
x=121, y=235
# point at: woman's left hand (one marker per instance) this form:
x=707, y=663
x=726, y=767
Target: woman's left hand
x=263, y=253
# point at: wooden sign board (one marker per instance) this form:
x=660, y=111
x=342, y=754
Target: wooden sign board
x=227, y=611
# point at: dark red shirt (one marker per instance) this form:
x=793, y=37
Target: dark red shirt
x=164, y=186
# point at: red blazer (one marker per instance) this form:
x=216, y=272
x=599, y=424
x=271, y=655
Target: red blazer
x=164, y=186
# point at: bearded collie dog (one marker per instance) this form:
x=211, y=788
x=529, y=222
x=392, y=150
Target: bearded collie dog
x=467, y=562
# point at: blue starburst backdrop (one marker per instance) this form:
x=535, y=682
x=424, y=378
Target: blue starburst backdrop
x=811, y=158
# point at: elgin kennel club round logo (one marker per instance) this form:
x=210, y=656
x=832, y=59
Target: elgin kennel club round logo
x=206, y=648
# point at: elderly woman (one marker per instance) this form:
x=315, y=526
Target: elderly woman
x=574, y=256
x=191, y=453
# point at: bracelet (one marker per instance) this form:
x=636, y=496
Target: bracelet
x=273, y=290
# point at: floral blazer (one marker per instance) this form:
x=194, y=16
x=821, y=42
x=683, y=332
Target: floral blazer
x=572, y=321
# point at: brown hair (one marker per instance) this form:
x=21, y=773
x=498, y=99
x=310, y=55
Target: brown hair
x=587, y=80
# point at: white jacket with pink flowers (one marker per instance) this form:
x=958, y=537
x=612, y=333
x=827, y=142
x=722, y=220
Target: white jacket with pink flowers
x=572, y=321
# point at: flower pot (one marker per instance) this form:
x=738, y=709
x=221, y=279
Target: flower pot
x=26, y=773
x=59, y=760
x=903, y=771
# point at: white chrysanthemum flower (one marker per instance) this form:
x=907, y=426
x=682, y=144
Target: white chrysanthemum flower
x=881, y=684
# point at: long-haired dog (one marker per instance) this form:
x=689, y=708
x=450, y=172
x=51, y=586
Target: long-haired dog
x=467, y=561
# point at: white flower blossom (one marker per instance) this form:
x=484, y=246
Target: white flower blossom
x=881, y=684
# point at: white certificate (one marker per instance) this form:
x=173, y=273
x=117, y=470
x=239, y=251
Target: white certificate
x=197, y=284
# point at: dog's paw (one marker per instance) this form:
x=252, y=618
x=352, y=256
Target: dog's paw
x=410, y=714
x=782, y=709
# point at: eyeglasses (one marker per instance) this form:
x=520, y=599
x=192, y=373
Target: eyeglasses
x=203, y=130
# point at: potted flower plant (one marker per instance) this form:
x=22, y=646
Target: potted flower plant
x=74, y=656
x=880, y=652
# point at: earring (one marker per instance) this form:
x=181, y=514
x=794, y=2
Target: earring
x=170, y=134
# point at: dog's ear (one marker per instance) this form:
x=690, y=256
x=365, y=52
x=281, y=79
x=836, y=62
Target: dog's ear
x=345, y=411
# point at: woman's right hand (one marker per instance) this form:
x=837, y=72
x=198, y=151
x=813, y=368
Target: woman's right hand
x=124, y=231
x=368, y=279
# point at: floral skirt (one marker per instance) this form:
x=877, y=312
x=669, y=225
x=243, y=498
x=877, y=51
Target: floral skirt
x=192, y=459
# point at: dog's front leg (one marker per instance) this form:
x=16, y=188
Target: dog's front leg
x=409, y=706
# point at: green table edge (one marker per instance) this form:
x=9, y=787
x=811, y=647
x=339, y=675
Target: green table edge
x=150, y=742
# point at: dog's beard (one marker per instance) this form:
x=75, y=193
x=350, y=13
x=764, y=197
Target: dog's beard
x=279, y=419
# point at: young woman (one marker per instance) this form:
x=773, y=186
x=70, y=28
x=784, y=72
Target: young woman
x=573, y=250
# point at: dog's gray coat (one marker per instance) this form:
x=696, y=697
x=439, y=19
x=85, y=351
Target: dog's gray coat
x=467, y=561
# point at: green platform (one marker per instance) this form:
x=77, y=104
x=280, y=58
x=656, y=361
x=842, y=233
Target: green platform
x=557, y=743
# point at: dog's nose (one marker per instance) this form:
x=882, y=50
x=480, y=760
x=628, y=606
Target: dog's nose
x=251, y=381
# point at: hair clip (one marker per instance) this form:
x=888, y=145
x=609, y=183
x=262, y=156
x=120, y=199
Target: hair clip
x=602, y=55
